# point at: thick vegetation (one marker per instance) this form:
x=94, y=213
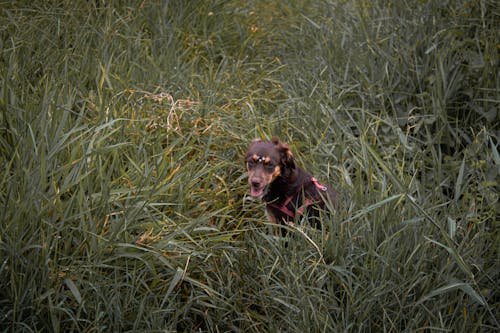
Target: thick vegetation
x=123, y=202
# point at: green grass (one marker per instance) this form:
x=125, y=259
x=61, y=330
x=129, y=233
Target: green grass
x=123, y=201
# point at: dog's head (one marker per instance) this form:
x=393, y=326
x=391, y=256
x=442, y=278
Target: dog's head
x=266, y=161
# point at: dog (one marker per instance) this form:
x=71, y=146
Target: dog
x=288, y=191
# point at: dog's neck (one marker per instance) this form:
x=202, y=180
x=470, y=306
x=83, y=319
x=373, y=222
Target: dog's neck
x=286, y=185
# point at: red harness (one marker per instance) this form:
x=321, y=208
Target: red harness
x=284, y=209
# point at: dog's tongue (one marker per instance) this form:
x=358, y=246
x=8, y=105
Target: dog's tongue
x=255, y=192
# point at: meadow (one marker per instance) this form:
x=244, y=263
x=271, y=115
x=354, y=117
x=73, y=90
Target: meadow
x=124, y=202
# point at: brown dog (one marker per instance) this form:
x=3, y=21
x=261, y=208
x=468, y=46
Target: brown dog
x=288, y=190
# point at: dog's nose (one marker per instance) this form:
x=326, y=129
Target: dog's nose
x=255, y=183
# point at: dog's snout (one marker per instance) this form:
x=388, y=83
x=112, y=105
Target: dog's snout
x=255, y=183
x=257, y=187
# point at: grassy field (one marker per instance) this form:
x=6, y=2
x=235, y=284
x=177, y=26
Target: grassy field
x=123, y=196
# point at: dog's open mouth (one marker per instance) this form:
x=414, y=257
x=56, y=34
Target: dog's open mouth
x=257, y=192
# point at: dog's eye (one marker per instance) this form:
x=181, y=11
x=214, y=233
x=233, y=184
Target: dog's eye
x=251, y=164
x=270, y=165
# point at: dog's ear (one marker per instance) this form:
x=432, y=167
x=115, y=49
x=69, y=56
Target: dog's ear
x=287, y=159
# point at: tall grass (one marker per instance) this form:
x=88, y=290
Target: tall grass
x=122, y=196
